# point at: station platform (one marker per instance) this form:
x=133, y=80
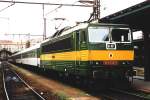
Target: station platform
x=140, y=84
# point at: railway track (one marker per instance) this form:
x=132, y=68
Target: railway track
x=109, y=94
x=133, y=92
x=16, y=88
x=117, y=94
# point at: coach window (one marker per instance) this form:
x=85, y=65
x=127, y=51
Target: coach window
x=33, y=53
x=23, y=55
x=28, y=54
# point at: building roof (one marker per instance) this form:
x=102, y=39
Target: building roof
x=136, y=16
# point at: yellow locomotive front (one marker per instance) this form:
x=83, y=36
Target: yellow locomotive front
x=110, y=51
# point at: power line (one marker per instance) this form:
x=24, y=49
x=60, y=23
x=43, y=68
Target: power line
x=43, y=4
x=53, y=10
x=39, y=3
x=7, y=7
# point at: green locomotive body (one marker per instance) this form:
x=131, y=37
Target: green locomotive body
x=90, y=50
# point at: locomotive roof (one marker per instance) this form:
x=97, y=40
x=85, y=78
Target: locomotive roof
x=83, y=26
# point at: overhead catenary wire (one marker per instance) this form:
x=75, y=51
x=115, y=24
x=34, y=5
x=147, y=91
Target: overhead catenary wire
x=44, y=4
x=40, y=3
x=53, y=10
x=7, y=7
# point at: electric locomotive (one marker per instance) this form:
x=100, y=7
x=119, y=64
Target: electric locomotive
x=90, y=50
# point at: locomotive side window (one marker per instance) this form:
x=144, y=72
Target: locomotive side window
x=122, y=35
x=60, y=45
x=98, y=34
x=83, y=36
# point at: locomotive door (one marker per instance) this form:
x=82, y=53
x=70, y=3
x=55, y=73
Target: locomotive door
x=77, y=48
x=80, y=46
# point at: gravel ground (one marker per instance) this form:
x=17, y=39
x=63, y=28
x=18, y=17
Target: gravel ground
x=52, y=89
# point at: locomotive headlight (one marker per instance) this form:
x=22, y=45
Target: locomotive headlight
x=123, y=63
x=111, y=46
x=97, y=63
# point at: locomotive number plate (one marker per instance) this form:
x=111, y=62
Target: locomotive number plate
x=110, y=63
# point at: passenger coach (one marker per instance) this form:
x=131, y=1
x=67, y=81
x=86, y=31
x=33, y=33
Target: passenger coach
x=29, y=56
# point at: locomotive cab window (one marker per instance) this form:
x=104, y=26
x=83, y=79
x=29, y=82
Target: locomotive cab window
x=98, y=34
x=121, y=35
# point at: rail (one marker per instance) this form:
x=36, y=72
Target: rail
x=25, y=90
x=139, y=94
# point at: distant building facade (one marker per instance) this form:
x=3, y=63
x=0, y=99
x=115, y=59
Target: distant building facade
x=11, y=45
x=14, y=46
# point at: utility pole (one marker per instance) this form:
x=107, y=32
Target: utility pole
x=44, y=22
x=96, y=10
x=44, y=29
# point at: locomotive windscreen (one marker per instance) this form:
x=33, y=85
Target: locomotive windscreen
x=98, y=34
x=101, y=34
x=121, y=35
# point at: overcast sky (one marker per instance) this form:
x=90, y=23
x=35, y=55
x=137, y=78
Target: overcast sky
x=25, y=18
